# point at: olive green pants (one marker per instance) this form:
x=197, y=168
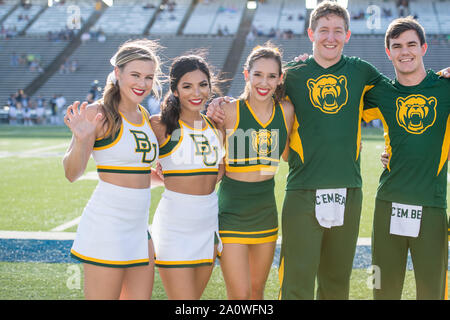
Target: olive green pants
x=429, y=254
x=309, y=250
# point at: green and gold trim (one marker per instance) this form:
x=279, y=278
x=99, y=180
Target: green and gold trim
x=183, y=264
x=254, y=237
x=129, y=170
x=250, y=168
x=168, y=147
x=105, y=143
x=108, y=263
x=194, y=172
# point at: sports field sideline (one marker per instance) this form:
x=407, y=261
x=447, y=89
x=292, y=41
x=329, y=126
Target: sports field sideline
x=40, y=212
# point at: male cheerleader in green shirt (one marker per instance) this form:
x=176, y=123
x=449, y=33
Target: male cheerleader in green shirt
x=322, y=206
x=411, y=201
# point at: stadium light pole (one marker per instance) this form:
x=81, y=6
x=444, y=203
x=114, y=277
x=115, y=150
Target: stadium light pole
x=252, y=5
x=109, y=3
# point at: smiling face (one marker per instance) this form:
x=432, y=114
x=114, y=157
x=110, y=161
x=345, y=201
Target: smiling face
x=328, y=37
x=406, y=54
x=135, y=80
x=263, y=78
x=193, y=90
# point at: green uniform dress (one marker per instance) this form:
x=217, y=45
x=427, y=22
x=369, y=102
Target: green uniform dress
x=247, y=210
x=324, y=154
x=417, y=135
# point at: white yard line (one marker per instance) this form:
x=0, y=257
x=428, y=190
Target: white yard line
x=55, y=235
x=67, y=225
x=37, y=235
x=32, y=152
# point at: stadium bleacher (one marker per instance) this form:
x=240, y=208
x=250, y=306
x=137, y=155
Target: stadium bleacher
x=69, y=14
x=127, y=17
x=170, y=18
x=183, y=25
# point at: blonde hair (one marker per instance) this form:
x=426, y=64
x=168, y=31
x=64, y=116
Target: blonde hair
x=141, y=49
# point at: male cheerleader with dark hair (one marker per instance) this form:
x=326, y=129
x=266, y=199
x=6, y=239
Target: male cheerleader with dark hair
x=411, y=201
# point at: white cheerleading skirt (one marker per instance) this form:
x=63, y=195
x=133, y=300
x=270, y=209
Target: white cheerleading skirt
x=184, y=230
x=113, y=230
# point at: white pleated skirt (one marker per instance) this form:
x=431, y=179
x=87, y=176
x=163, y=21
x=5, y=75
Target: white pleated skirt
x=185, y=230
x=113, y=230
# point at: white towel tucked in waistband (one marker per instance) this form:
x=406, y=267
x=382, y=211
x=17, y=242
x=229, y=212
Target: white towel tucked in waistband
x=405, y=220
x=330, y=207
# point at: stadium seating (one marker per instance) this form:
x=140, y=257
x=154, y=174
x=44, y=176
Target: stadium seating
x=208, y=17
x=62, y=16
x=292, y=17
x=93, y=61
x=8, y=5
x=168, y=21
x=21, y=17
x=266, y=16
x=127, y=17
x=18, y=77
x=443, y=13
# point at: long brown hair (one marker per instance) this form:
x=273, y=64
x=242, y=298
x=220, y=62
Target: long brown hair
x=171, y=108
x=141, y=49
x=266, y=51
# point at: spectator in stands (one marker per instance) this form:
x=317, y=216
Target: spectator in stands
x=85, y=37
x=12, y=114
x=11, y=100
x=19, y=99
x=94, y=92
x=149, y=6
x=60, y=104
x=14, y=59
x=403, y=8
x=26, y=113
x=40, y=110
x=73, y=65
x=387, y=12
x=101, y=37
x=54, y=110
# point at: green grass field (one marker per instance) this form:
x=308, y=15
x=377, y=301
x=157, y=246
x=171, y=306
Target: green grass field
x=35, y=196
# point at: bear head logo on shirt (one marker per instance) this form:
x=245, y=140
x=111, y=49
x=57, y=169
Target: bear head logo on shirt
x=415, y=113
x=328, y=92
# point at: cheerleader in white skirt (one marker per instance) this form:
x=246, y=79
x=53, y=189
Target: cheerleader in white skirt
x=112, y=238
x=185, y=225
